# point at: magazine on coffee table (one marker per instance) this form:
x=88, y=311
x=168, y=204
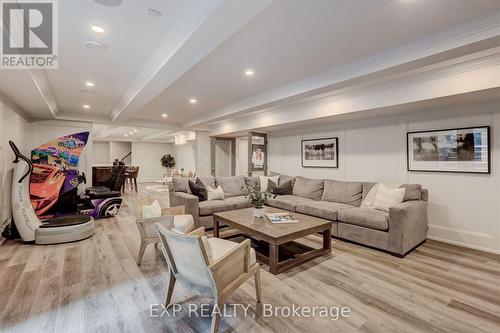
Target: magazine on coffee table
x=280, y=218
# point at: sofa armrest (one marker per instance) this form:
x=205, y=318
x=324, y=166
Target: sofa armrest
x=189, y=201
x=407, y=226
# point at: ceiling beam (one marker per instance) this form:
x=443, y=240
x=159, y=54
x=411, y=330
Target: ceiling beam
x=206, y=26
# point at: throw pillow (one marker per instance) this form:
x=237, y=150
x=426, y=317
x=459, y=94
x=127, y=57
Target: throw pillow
x=369, y=200
x=263, y=182
x=151, y=211
x=284, y=189
x=215, y=193
x=198, y=189
x=413, y=191
x=387, y=197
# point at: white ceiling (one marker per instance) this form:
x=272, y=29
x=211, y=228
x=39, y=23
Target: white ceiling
x=154, y=65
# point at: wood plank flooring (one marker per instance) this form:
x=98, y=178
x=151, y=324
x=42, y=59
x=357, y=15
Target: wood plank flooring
x=95, y=286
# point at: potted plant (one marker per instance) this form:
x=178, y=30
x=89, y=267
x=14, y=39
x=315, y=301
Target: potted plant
x=167, y=161
x=258, y=199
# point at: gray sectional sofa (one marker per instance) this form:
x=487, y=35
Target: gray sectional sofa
x=398, y=231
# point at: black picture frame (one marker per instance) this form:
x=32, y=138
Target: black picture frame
x=488, y=135
x=335, y=139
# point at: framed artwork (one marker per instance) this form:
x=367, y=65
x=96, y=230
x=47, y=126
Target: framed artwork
x=258, y=157
x=450, y=150
x=320, y=153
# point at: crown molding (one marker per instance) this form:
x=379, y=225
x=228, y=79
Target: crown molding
x=6, y=102
x=480, y=33
x=41, y=81
x=473, y=73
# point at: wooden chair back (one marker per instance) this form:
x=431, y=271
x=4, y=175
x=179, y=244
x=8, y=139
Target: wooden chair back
x=186, y=257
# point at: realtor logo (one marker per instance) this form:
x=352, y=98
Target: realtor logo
x=29, y=34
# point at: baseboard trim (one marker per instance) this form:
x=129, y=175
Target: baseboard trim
x=469, y=246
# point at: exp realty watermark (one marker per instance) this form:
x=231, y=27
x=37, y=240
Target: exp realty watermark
x=29, y=34
x=265, y=311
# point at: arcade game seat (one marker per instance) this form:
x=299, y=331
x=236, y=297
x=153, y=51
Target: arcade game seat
x=60, y=229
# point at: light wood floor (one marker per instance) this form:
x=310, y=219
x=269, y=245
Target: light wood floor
x=95, y=286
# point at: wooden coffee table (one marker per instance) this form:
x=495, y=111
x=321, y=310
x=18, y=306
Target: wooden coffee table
x=260, y=229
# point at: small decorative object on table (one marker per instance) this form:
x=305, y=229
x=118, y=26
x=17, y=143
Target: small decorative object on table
x=258, y=199
x=280, y=218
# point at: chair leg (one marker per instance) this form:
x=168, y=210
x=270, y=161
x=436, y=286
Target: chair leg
x=258, y=286
x=135, y=183
x=214, y=327
x=170, y=290
x=142, y=248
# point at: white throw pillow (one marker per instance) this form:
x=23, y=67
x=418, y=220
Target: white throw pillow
x=369, y=200
x=387, y=197
x=215, y=193
x=151, y=211
x=264, y=180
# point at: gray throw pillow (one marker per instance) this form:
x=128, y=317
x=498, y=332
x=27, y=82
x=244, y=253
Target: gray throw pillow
x=413, y=191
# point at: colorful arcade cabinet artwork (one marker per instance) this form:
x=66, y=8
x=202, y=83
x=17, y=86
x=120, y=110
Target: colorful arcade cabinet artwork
x=55, y=179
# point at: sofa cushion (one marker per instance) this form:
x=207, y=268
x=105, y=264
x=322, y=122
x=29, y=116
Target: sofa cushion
x=216, y=248
x=308, y=188
x=239, y=202
x=367, y=186
x=180, y=184
x=343, y=192
x=283, y=178
x=287, y=202
x=324, y=209
x=213, y=206
x=233, y=186
x=252, y=182
x=413, y=191
x=208, y=181
x=365, y=217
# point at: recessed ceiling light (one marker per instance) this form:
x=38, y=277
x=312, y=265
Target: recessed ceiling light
x=98, y=29
x=164, y=115
x=89, y=84
x=95, y=45
x=193, y=101
x=86, y=106
x=249, y=72
x=130, y=133
x=135, y=130
x=126, y=135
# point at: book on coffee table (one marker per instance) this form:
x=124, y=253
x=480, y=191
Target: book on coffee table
x=280, y=218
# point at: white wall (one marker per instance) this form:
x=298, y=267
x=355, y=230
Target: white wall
x=101, y=152
x=242, y=156
x=185, y=157
x=12, y=127
x=463, y=208
x=118, y=150
x=147, y=157
x=203, y=154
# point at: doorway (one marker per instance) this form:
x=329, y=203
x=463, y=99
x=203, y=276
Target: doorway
x=223, y=157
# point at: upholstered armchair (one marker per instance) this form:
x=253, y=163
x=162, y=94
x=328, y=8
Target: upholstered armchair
x=173, y=217
x=210, y=265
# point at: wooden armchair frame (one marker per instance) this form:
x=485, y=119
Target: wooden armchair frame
x=167, y=214
x=223, y=276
